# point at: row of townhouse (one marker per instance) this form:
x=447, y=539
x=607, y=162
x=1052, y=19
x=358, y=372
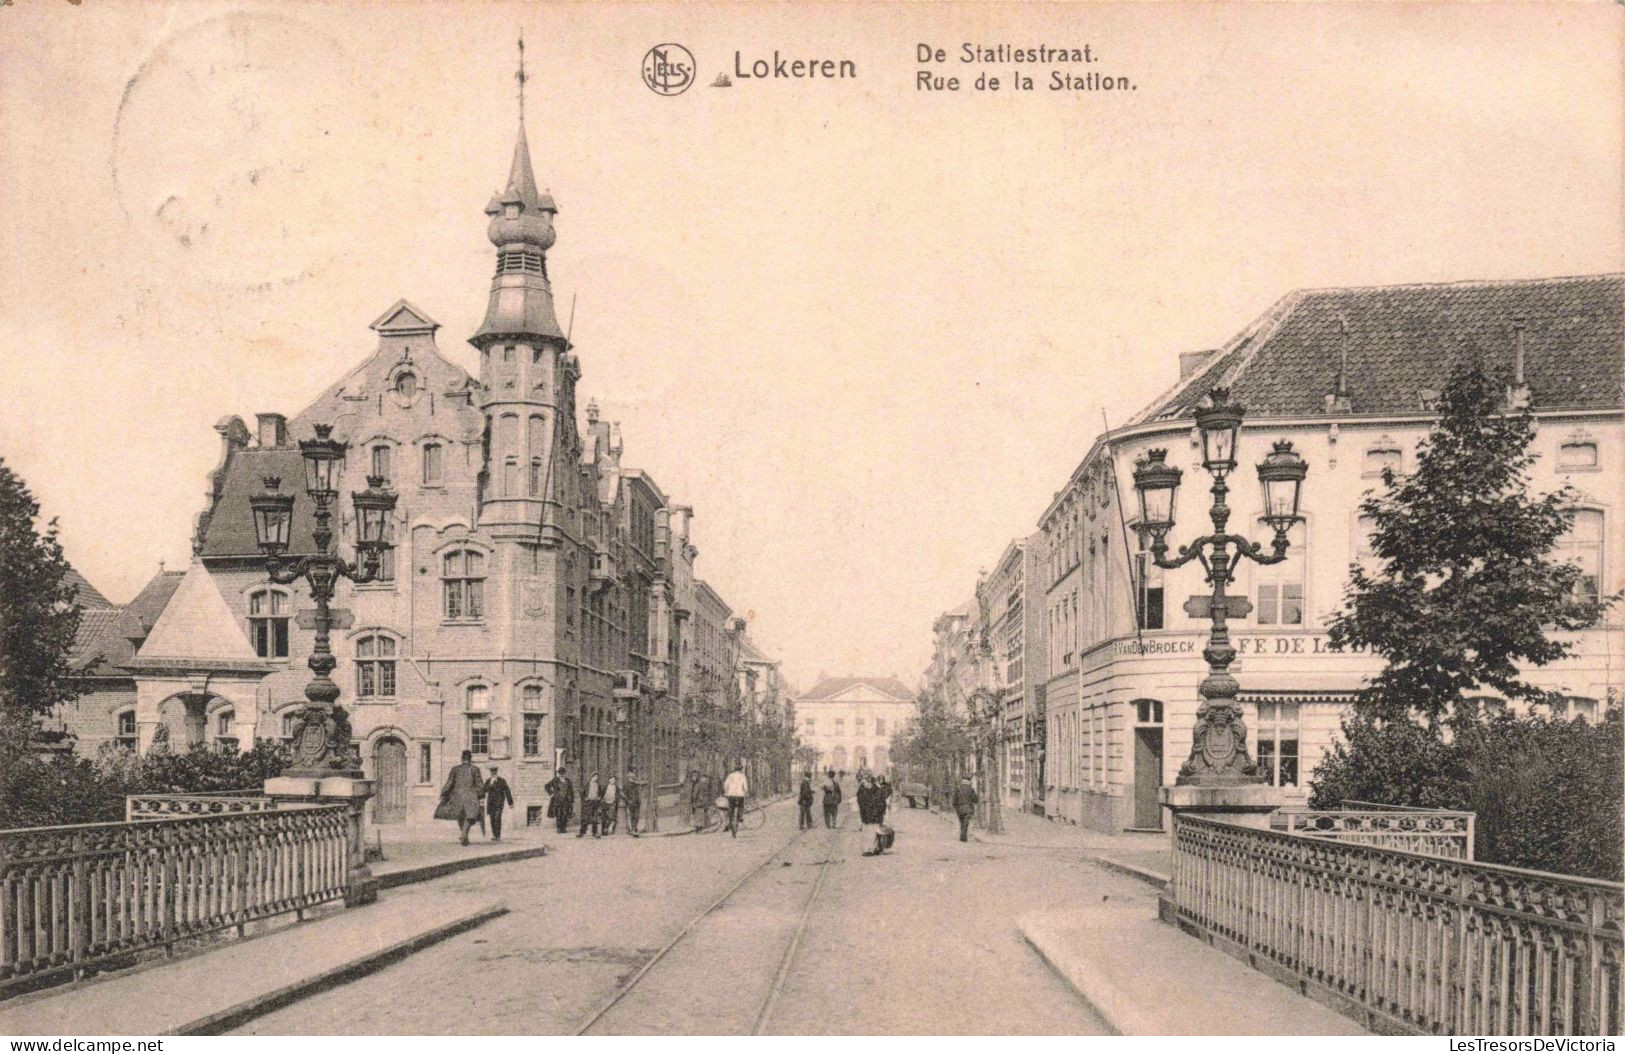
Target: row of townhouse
x=539, y=607
x=1086, y=645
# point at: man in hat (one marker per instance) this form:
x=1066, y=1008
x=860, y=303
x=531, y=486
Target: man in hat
x=965, y=800
x=634, y=801
x=497, y=798
x=460, y=797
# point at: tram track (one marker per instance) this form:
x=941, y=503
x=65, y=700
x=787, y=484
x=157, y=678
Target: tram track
x=764, y=1008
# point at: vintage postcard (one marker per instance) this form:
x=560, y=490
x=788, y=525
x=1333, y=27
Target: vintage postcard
x=811, y=519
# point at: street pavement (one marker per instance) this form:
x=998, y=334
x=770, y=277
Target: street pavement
x=921, y=940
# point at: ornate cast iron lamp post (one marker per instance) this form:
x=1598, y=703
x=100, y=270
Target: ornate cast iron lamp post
x=322, y=742
x=1219, y=756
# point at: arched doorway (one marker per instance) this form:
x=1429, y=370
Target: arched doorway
x=389, y=769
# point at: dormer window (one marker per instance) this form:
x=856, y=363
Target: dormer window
x=508, y=351
x=1577, y=453
x=510, y=211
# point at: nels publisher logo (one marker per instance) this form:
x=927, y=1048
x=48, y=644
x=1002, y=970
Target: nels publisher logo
x=668, y=69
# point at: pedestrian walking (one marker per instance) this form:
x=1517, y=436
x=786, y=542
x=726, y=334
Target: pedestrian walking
x=561, y=800
x=460, y=797
x=497, y=798
x=592, y=796
x=965, y=800
x=699, y=798
x=804, y=798
x=832, y=799
x=634, y=802
x=735, y=788
x=610, y=810
x=872, y=815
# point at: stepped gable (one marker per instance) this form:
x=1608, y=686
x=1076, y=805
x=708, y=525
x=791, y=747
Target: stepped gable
x=1405, y=339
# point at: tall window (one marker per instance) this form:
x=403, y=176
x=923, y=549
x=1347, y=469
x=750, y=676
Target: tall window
x=880, y=726
x=535, y=481
x=268, y=623
x=386, y=557
x=531, y=697
x=840, y=726
x=289, y=727
x=375, y=667
x=434, y=466
x=1280, y=586
x=381, y=463
x=810, y=725
x=1147, y=585
x=1278, y=743
x=124, y=727
x=425, y=763
x=478, y=697
x=533, y=735
x=463, y=576
x=1582, y=545
x=510, y=478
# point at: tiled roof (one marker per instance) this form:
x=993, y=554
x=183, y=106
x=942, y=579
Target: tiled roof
x=111, y=645
x=829, y=687
x=230, y=531
x=93, y=623
x=1403, y=339
x=88, y=595
x=196, y=629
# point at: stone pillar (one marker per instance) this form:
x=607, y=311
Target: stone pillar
x=352, y=793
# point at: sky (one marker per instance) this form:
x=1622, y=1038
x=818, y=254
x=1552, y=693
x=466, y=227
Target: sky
x=866, y=330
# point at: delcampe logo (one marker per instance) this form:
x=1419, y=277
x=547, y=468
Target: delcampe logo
x=668, y=69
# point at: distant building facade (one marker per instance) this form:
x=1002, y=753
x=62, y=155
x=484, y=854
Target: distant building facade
x=850, y=721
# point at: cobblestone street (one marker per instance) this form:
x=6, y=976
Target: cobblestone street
x=920, y=940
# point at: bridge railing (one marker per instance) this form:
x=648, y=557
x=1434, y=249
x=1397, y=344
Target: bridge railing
x=219, y=803
x=1411, y=942
x=1438, y=832
x=76, y=897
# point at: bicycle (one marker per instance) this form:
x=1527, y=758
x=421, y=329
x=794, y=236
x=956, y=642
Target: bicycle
x=715, y=818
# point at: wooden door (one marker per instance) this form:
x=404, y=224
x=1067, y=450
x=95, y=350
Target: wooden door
x=1147, y=777
x=389, y=769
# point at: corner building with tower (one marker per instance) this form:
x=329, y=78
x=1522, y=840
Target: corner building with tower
x=528, y=611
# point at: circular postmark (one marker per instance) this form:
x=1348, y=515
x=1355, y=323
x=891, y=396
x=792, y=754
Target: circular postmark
x=668, y=69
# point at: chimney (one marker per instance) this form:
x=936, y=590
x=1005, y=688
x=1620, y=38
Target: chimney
x=1338, y=401
x=1518, y=393
x=273, y=431
x=1191, y=361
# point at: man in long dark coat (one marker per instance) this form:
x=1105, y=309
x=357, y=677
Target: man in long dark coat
x=561, y=800
x=965, y=799
x=460, y=797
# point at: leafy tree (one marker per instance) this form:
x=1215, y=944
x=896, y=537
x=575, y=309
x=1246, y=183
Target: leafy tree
x=1467, y=591
x=39, y=614
x=934, y=743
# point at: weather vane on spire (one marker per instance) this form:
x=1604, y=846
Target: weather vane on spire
x=520, y=76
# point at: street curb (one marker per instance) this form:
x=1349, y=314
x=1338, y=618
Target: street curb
x=1152, y=878
x=1109, y=1016
x=408, y=875
x=225, y=1020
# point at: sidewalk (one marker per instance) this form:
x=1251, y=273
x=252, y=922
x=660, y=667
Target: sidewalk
x=1146, y=856
x=208, y=992
x=1146, y=978
x=421, y=851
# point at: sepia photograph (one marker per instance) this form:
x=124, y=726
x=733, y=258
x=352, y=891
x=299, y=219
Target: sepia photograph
x=814, y=519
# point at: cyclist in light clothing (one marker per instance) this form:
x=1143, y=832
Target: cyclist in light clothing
x=735, y=788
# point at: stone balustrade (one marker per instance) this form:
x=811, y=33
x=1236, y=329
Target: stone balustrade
x=77, y=897
x=1437, y=832
x=1409, y=942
